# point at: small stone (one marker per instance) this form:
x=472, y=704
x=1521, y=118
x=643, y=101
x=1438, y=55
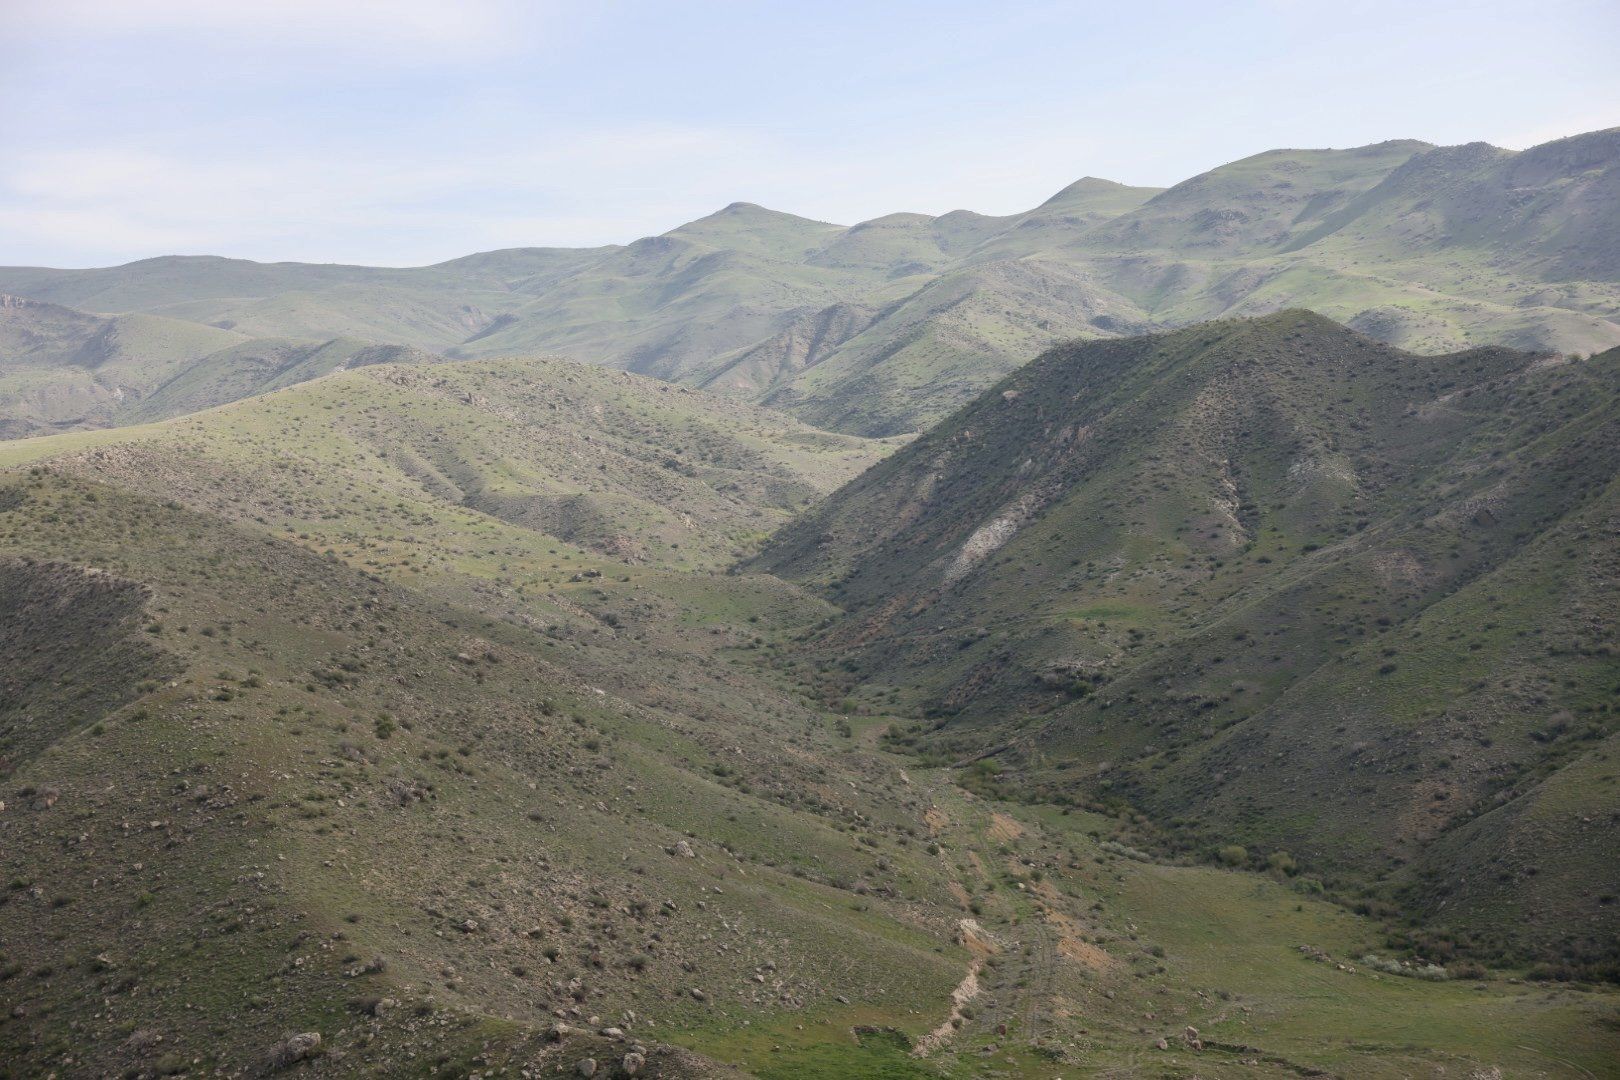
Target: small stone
x=633, y=1063
x=586, y=1067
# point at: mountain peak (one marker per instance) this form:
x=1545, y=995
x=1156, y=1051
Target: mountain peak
x=747, y=212
x=749, y=227
x=1086, y=186
x=1093, y=194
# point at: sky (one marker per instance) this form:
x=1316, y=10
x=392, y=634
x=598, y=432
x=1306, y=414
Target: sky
x=405, y=132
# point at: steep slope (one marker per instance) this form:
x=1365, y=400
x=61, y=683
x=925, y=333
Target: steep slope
x=63, y=370
x=419, y=832
x=936, y=348
x=1279, y=586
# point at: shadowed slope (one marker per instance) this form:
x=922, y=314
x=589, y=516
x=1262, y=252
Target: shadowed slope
x=1276, y=583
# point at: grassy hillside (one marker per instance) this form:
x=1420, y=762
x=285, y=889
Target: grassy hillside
x=66, y=370
x=287, y=718
x=400, y=765
x=1429, y=248
x=886, y=326
x=418, y=458
x=1280, y=587
x=420, y=831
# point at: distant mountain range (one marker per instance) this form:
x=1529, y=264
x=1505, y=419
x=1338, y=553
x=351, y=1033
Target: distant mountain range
x=63, y=370
x=886, y=326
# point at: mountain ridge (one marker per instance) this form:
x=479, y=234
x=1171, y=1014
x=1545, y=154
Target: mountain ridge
x=1137, y=569
x=1430, y=248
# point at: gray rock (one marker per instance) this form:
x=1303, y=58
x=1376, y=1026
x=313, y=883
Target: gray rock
x=294, y=1048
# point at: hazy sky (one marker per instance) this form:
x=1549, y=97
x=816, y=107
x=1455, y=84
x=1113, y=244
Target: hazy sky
x=408, y=131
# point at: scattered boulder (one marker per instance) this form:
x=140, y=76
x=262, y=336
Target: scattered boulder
x=294, y=1048
x=404, y=791
x=585, y=1067
x=633, y=1063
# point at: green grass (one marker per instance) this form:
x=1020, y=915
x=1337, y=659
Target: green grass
x=330, y=624
x=890, y=325
x=1260, y=602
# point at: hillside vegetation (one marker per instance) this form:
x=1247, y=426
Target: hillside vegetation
x=331, y=746
x=65, y=370
x=407, y=456
x=1281, y=588
x=888, y=325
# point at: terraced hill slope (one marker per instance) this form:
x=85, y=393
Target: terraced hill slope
x=1282, y=588
x=886, y=326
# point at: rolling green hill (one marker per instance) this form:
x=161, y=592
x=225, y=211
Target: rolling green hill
x=615, y=463
x=886, y=326
x=1277, y=586
x=65, y=370
x=385, y=708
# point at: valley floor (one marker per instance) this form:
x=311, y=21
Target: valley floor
x=1087, y=958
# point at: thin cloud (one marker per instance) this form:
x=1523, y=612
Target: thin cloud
x=410, y=131
x=422, y=29
x=131, y=203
